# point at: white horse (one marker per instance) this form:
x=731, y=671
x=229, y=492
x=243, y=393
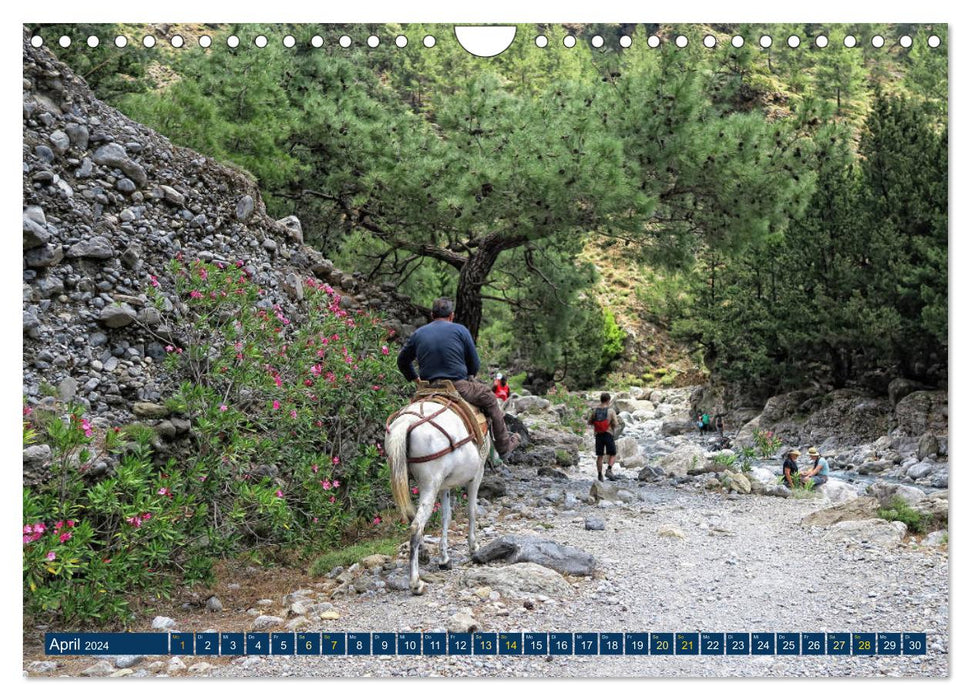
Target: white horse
x=434, y=444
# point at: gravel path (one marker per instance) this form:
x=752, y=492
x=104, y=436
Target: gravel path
x=743, y=564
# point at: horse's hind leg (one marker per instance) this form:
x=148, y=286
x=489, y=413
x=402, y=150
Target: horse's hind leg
x=444, y=561
x=473, y=493
x=425, y=503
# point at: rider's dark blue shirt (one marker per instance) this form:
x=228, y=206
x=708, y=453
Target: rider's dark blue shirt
x=444, y=350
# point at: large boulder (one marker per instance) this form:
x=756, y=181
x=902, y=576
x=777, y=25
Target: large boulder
x=900, y=387
x=531, y=404
x=522, y=580
x=517, y=548
x=921, y=412
x=838, y=491
x=683, y=459
x=735, y=482
x=627, y=448
x=871, y=531
x=885, y=492
x=678, y=425
x=631, y=405
x=856, y=509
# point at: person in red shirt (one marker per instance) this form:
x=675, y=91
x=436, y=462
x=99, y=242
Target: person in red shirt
x=500, y=388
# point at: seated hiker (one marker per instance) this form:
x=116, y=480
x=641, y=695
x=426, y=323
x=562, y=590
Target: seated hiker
x=818, y=473
x=604, y=421
x=501, y=388
x=789, y=467
x=445, y=350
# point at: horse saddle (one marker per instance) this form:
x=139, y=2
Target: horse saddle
x=443, y=392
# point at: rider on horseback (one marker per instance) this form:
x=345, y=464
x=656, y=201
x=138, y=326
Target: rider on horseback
x=445, y=350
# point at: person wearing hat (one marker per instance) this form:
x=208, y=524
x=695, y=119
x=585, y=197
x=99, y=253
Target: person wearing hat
x=789, y=467
x=819, y=472
x=500, y=388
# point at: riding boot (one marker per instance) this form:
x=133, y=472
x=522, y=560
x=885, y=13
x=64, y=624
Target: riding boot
x=481, y=396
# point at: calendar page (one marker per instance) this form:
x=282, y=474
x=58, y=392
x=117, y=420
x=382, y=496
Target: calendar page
x=534, y=350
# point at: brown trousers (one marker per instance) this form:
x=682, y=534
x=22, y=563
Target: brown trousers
x=481, y=396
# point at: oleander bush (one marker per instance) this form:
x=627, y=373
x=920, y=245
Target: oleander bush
x=287, y=426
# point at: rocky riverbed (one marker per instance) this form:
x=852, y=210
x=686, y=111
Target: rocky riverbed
x=659, y=553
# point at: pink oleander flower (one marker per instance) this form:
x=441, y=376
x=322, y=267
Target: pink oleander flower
x=325, y=484
x=164, y=491
x=203, y=477
x=315, y=519
x=332, y=499
x=293, y=413
x=314, y=468
x=169, y=348
x=28, y=410
x=336, y=483
x=414, y=490
x=336, y=460
x=195, y=294
x=65, y=536
x=384, y=350
x=375, y=387
x=154, y=281
x=178, y=351
x=278, y=381
x=377, y=520
x=51, y=556
x=223, y=407
x=134, y=521
x=279, y=493
x=40, y=528
x=146, y=516
x=28, y=529
x=276, y=405
x=308, y=382
x=316, y=369
x=59, y=524
x=203, y=274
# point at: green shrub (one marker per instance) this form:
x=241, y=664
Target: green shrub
x=915, y=521
x=576, y=410
x=288, y=430
x=767, y=442
x=726, y=460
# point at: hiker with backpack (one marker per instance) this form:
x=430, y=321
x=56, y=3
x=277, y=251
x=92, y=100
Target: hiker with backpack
x=604, y=422
x=500, y=388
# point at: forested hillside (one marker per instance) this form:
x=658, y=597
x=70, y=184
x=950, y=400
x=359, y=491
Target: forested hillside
x=780, y=213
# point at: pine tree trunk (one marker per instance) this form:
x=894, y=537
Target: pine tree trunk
x=472, y=277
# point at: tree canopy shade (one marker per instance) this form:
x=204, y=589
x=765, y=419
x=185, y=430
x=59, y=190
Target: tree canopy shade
x=484, y=179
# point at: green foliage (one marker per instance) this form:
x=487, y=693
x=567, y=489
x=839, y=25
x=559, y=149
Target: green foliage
x=287, y=417
x=915, y=521
x=767, y=443
x=88, y=545
x=726, y=460
x=575, y=410
x=613, y=344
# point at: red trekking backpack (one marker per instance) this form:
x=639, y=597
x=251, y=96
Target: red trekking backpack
x=601, y=422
